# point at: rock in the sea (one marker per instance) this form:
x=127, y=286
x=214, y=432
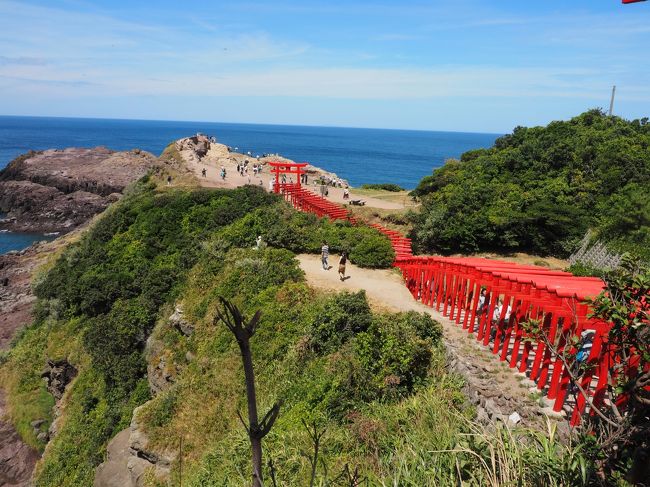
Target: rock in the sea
x=59, y=190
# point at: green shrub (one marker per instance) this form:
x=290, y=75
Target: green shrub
x=394, y=356
x=584, y=270
x=115, y=342
x=373, y=251
x=343, y=316
x=247, y=272
x=282, y=227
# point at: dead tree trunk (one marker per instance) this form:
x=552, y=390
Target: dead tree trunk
x=236, y=323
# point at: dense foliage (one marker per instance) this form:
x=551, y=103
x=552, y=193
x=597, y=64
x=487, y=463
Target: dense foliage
x=101, y=299
x=395, y=188
x=282, y=227
x=539, y=189
x=374, y=383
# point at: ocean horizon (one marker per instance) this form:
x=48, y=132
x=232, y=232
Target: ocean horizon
x=359, y=155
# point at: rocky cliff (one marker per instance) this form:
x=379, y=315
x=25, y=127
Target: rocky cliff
x=59, y=190
x=50, y=191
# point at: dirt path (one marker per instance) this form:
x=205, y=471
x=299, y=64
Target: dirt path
x=496, y=390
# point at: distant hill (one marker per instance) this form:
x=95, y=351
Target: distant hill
x=539, y=189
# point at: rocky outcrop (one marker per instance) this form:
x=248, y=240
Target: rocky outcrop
x=58, y=374
x=197, y=146
x=494, y=403
x=178, y=321
x=16, y=299
x=33, y=207
x=161, y=369
x=59, y=190
x=129, y=460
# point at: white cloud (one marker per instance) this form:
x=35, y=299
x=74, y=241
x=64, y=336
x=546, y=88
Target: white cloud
x=353, y=83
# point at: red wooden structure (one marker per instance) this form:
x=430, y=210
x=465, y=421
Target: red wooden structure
x=453, y=286
x=280, y=169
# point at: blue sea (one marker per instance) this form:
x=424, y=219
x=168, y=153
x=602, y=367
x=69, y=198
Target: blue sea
x=356, y=154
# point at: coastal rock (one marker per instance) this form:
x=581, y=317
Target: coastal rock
x=33, y=207
x=16, y=299
x=59, y=190
x=97, y=170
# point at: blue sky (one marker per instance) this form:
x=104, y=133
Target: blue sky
x=461, y=65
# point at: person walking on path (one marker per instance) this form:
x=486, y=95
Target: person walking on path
x=324, y=256
x=342, y=261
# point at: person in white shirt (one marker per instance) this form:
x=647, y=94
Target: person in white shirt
x=496, y=315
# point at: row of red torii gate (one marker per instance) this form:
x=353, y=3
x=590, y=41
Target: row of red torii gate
x=495, y=301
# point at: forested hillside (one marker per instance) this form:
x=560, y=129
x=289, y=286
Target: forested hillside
x=372, y=386
x=539, y=189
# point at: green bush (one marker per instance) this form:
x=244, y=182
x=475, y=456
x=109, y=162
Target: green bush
x=248, y=272
x=584, y=270
x=393, y=354
x=373, y=251
x=343, y=316
x=282, y=227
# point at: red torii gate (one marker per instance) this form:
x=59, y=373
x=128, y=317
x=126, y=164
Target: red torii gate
x=453, y=285
x=284, y=168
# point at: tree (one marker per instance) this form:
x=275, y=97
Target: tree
x=243, y=331
x=619, y=419
x=539, y=189
x=625, y=438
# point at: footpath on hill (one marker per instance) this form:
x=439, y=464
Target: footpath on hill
x=496, y=390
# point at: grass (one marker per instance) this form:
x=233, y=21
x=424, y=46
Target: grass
x=401, y=197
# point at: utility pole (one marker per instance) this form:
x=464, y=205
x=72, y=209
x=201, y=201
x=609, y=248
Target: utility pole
x=180, y=461
x=611, y=102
